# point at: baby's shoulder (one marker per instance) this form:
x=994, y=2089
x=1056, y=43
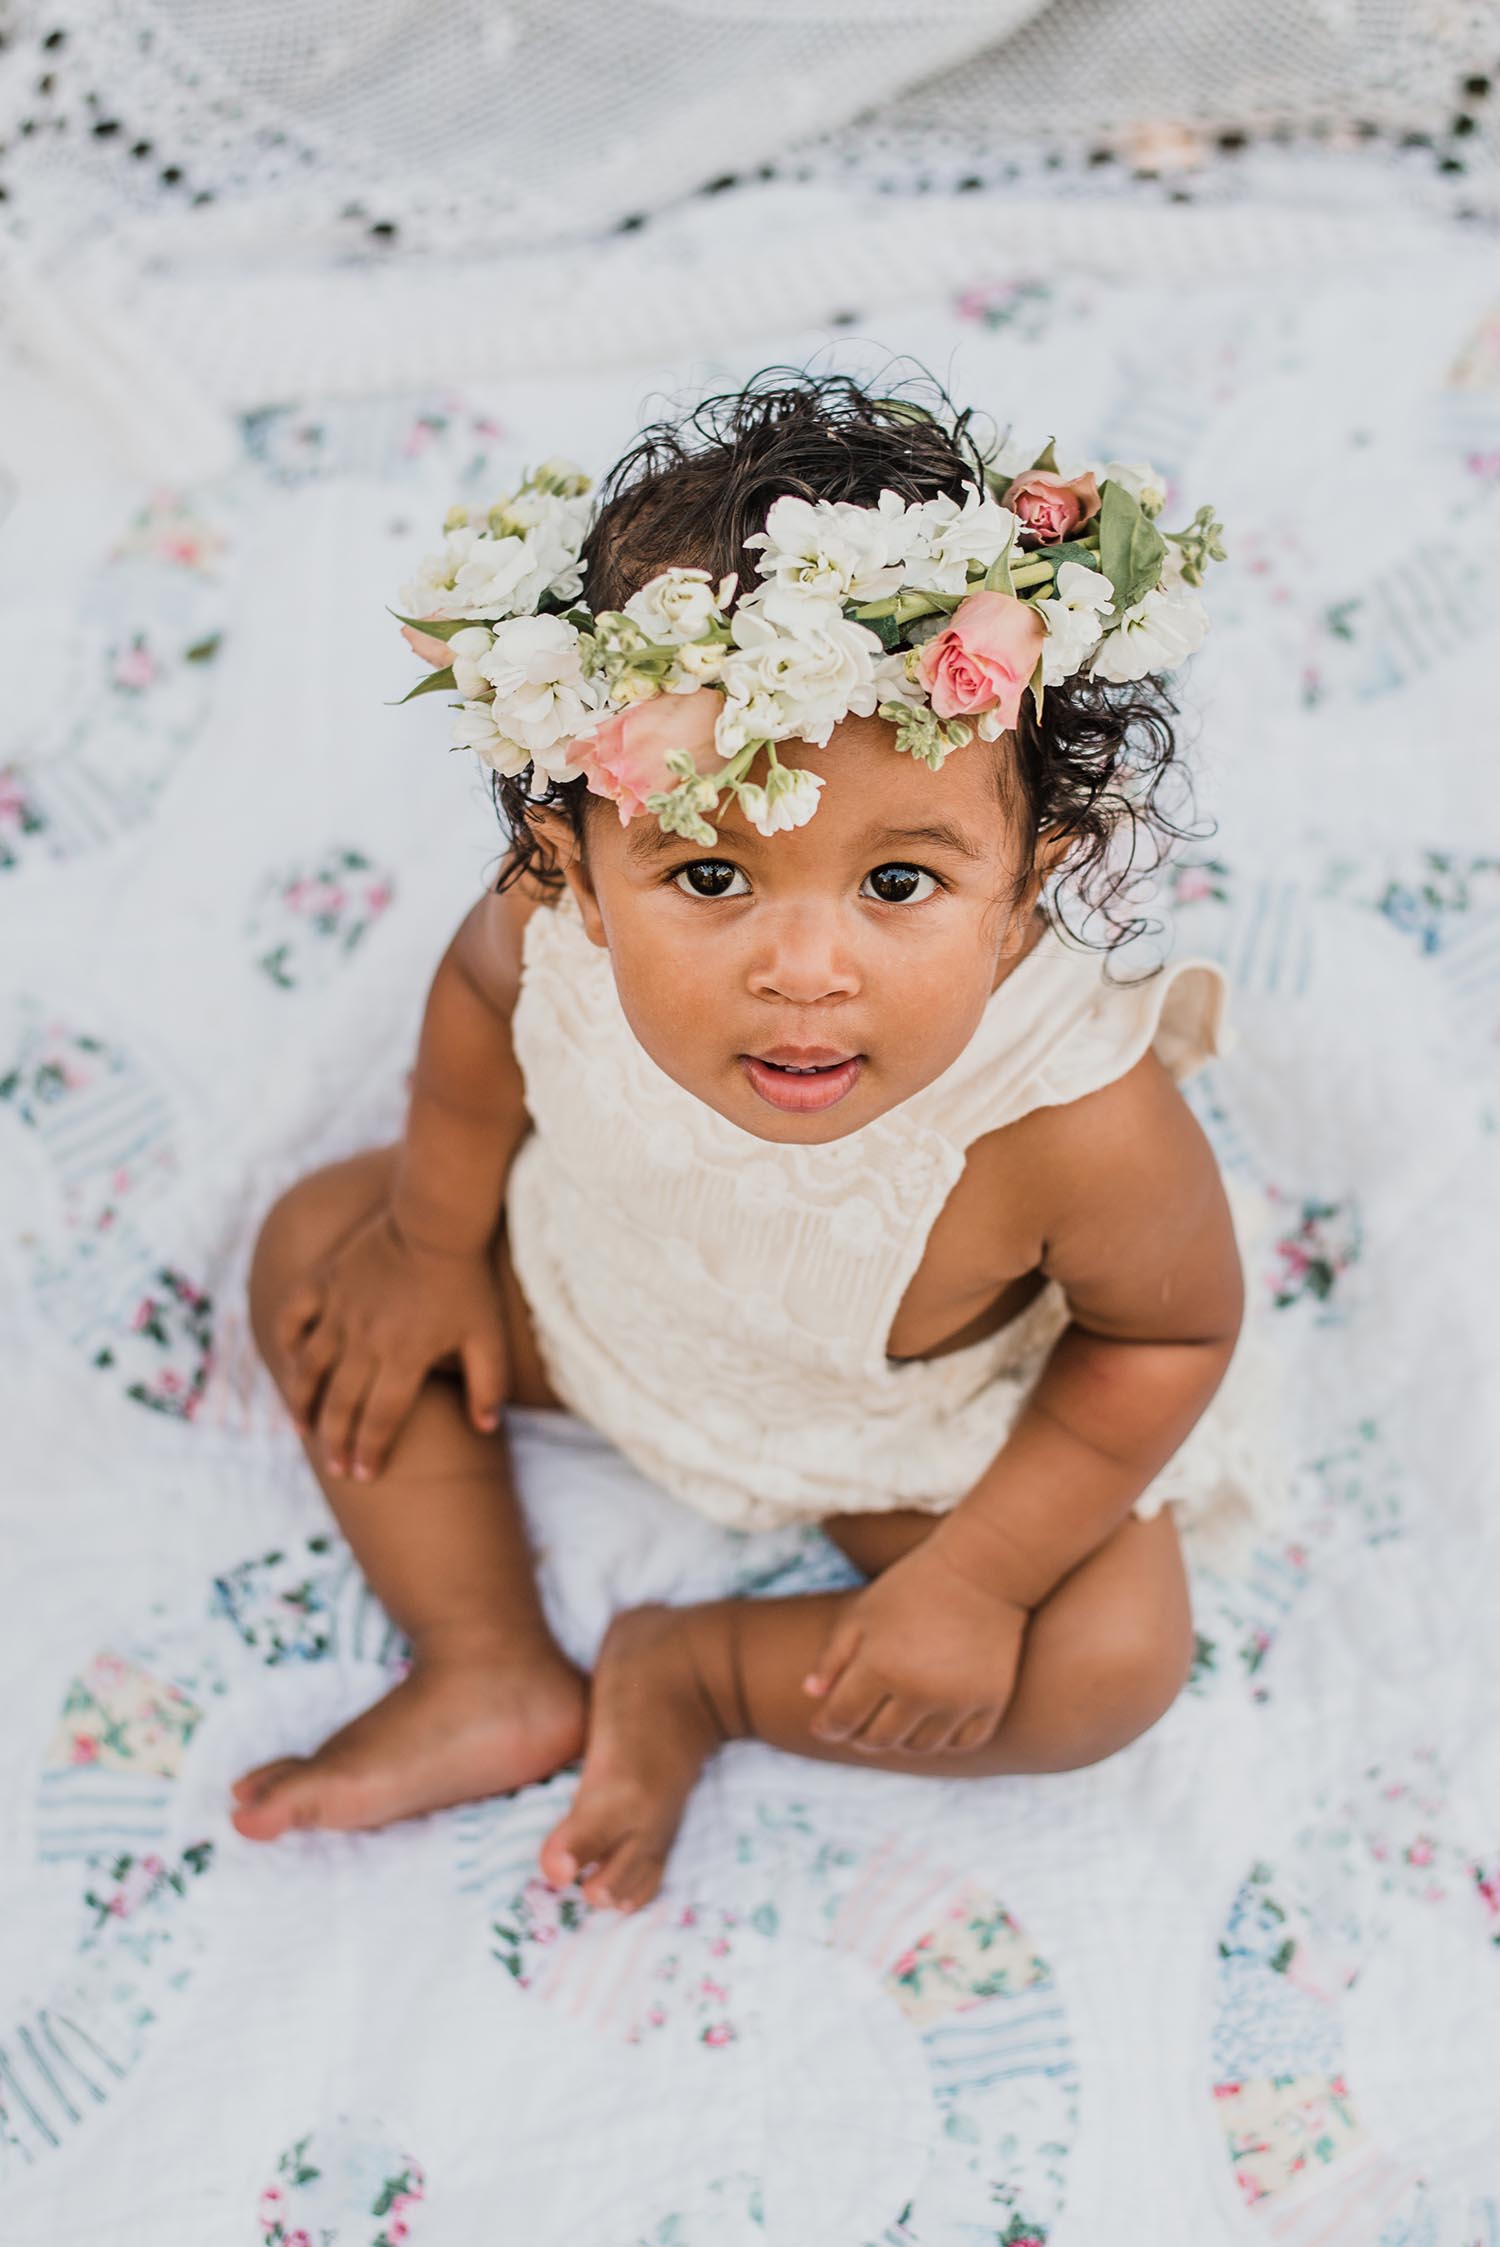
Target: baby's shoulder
x=1129, y=1137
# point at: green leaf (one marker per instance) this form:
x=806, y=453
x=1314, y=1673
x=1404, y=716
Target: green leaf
x=997, y=578
x=1046, y=458
x=1035, y=684
x=430, y=685
x=202, y=651
x=1130, y=545
x=1071, y=550
x=436, y=627
x=887, y=630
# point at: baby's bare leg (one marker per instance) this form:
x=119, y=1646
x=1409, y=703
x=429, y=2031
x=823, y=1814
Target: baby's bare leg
x=490, y=1701
x=1103, y=1658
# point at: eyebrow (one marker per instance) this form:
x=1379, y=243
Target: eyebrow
x=651, y=842
x=938, y=835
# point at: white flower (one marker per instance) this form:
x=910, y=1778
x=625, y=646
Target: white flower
x=943, y=538
x=1156, y=633
x=700, y=661
x=675, y=607
x=524, y=548
x=788, y=799
x=1073, y=620
x=810, y=678
x=543, y=696
x=474, y=728
x=467, y=650
x=1140, y=479
x=832, y=549
x=894, y=681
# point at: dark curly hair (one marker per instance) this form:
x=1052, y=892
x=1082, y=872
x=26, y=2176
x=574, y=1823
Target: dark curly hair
x=690, y=491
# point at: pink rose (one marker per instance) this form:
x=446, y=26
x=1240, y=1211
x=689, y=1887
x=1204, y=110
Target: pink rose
x=625, y=759
x=984, y=658
x=1051, y=507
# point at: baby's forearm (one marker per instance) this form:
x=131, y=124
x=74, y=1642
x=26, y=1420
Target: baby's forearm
x=1102, y=1421
x=467, y=1113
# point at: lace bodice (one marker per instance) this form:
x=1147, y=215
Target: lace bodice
x=719, y=1305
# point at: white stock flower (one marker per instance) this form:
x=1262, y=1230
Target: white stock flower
x=788, y=799
x=486, y=576
x=1156, y=633
x=894, y=682
x=474, y=728
x=675, y=607
x=543, y=696
x=810, y=678
x=466, y=651
x=832, y=550
x=1073, y=620
x=1140, y=479
x=943, y=538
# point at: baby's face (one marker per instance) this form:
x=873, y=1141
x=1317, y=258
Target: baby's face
x=866, y=941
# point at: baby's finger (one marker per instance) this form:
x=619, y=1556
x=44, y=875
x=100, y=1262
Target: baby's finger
x=852, y=1702
x=315, y=1355
x=486, y=1378
x=937, y=1727
x=391, y=1397
x=892, y=1725
x=345, y=1393
x=976, y=1730
x=840, y=1650
x=295, y=1315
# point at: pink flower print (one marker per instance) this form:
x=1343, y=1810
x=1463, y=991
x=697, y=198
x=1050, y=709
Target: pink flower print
x=396, y=2232
x=85, y=1749
x=720, y=2033
x=378, y=896
x=1420, y=1852
x=136, y=668
x=906, y=1963
x=687, y=1917
x=1193, y=883
x=657, y=2016
x=719, y=1947
x=171, y=1383
x=272, y=2194
x=713, y=1991
x=143, y=1311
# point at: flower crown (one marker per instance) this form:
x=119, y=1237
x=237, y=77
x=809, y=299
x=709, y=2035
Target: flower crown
x=937, y=615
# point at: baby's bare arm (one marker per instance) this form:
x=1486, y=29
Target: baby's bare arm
x=467, y=1112
x=414, y=1284
x=1136, y=1226
x=1133, y=1221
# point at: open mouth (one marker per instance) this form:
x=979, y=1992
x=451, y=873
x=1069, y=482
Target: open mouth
x=799, y=1087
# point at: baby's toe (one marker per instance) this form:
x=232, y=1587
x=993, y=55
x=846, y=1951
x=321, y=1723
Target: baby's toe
x=579, y=1840
x=281, y=1796
x=632, y=1877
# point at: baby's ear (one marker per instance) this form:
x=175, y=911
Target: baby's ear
x=1053, y=846
x=566, y=855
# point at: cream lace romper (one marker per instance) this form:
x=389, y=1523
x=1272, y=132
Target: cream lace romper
x=718, y=1305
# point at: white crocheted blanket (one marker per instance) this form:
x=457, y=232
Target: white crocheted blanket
x=1241, y=1981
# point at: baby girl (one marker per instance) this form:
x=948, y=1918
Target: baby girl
x=807, y=1155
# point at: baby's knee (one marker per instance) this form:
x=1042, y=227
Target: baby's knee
x=1124, y=1681
x=300, y=1227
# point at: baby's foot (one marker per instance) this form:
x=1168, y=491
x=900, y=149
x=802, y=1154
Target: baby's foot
x=459, y=1727
x=652, y=1726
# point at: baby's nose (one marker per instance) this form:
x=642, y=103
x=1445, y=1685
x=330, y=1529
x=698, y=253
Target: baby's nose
x=807, y=960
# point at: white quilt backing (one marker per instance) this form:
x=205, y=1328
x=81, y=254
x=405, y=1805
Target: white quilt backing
x=1240, y=1982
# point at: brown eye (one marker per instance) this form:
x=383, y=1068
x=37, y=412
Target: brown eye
x=896, y=884
x=715, y=873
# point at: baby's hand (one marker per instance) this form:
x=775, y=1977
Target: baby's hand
x=923, y=1659
x=361, y=1332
